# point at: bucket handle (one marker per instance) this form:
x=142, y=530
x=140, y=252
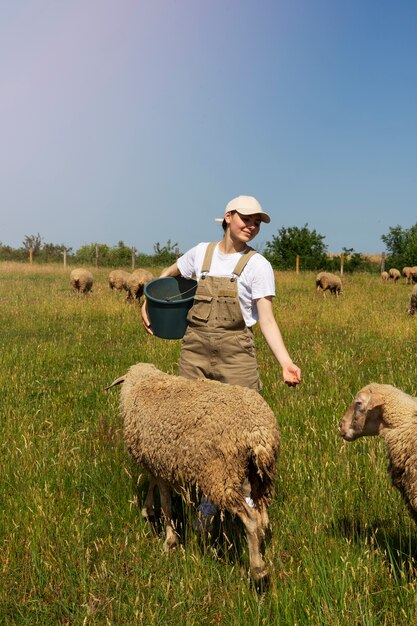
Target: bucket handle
x=177, y=295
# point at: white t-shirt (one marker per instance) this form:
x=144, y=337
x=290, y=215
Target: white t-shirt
x=256, y=281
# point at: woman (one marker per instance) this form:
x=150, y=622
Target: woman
x=235, y=290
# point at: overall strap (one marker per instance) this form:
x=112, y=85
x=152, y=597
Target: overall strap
x=243, y=261
x=208, y=256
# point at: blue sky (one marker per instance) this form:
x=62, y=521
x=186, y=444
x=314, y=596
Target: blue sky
x=138, y=120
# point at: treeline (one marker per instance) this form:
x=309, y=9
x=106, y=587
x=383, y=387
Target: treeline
x=290, y=248
x=99, y=254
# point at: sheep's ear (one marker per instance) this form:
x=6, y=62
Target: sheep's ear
x=376, y=399
x=118, y=381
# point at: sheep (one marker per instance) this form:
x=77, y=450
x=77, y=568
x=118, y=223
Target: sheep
x=413, y=274
x=412, y=306
x=81, y=280
x=205, y=435
x=384, y=276
x=326, y=280
x=118, y=280
x=394, y=274
x=387, y=411
x=136, y=282
x=406, y=273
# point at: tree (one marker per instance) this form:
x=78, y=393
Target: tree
x=401, y=244
x=282, y=251
x=32, y=241
x=165, y=255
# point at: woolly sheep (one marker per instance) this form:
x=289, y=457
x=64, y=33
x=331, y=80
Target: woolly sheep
x=414, y=274
x=118, y=280
x=136, y=282
x=81, y=280
x=394, y=274
x=387, y=411
x=326, y=280
x=412, y=307
x=407, y=274
x=207, y=435
x=384, y=276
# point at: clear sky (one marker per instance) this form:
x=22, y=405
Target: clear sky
x=137, y=120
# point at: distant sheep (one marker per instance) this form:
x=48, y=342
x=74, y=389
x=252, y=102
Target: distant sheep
x=414, y=274
x=81, y=280
x=384, y=276
x=118, y=280
x=394, y=274
x=327, y=281
x=407, y=274
x=136, y=283
x=412, y=307
x=205, y=434
x=389, y=412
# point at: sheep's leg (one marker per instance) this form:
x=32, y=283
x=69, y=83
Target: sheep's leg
x=148, y=509
x=171, y=536
x=251, y=519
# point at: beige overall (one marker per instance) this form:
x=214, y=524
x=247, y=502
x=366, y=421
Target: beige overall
x=217, y=343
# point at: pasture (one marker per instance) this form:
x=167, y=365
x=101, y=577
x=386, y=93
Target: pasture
x=74, y=549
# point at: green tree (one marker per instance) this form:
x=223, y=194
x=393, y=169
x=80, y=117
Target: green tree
x=401, y=244
x=34, y=242
x=282, y=251
x=165, y=255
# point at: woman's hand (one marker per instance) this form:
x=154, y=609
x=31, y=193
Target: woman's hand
x=145, y=319
x=291, y=374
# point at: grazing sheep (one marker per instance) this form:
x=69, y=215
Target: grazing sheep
x=384, y=276
x=326, y=280
x=118, y=280
x=414, y=274
x=394, y=274
x=136, y=282
x=81, y=280
x=207, y=435
x=412, y=307
x=387, y=411
x=407, y=274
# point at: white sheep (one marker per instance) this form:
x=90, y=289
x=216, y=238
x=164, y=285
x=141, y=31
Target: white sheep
x=413, y=274
x=203, y=434
x=328, y=281
x=394, y=274
x=384, y=276
x=81, y=280
x=412, y=306
x=387, y=411
x=407, y=274
x=118, y=280
x=136, y=282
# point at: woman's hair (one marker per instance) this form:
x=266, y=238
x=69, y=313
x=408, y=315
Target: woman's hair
x=224, y=223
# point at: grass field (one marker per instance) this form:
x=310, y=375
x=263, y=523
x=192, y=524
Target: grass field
x=74, y=548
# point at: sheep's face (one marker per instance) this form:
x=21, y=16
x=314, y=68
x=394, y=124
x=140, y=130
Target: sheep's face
x=363, y=417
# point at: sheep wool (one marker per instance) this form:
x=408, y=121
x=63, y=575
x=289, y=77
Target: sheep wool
x=118, y=280
x=81, y=280
x=136, y=282
x=394, y=274
x=203, y=434
x=328, y=281
x=389, y=412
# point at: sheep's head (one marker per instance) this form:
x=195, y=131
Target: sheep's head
x=364, y=416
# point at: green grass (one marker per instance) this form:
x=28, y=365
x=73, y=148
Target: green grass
x=74, y=548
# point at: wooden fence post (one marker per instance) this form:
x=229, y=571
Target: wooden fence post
x=342, y=262
x=30, y=255
x=383, y=262
x=133, y=258
x=177, y=253
x=297, y=264
x=97, y=256
x=65, y=257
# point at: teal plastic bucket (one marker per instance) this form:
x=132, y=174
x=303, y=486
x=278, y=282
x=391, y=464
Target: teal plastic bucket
x=168, y=301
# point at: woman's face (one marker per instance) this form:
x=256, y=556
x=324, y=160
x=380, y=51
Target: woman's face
x=243, y=227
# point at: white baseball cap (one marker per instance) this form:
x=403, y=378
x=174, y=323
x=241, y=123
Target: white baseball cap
x=245, y=205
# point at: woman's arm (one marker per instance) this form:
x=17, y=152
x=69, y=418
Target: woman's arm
x=172, y=270
x=291, y=373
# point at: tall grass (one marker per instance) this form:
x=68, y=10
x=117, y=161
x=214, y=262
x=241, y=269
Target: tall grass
x=74, y=548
